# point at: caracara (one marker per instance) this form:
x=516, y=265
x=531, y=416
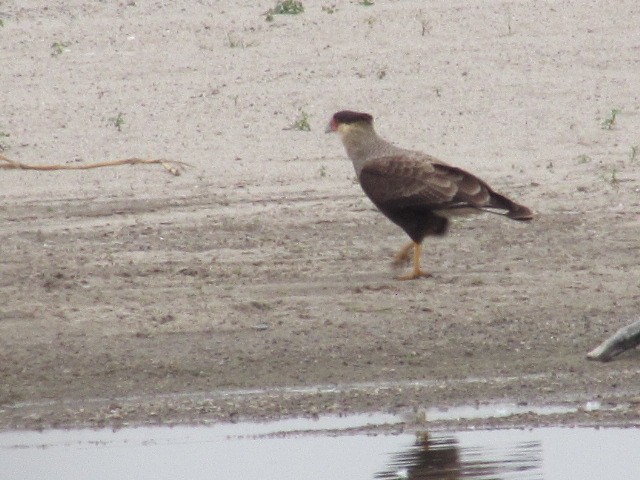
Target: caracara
x=416, y=191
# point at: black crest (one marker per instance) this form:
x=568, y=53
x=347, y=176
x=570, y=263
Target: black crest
x=347, y=116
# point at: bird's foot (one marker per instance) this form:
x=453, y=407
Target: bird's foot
x=413, y=275
x=403, y=256
x=401, y=259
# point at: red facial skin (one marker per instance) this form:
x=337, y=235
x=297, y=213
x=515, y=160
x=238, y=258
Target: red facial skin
x=332, y=126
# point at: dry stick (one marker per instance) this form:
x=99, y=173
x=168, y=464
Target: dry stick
x=172, y=166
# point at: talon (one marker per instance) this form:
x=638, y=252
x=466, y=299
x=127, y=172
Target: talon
x=403, y=256
x=417, y=271
x=414, y=275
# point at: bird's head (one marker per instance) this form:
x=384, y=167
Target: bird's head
x=346, y=121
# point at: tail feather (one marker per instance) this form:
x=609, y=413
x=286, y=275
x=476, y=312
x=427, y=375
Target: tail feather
x=515, y=211
x=473, y=192
x=520, y=212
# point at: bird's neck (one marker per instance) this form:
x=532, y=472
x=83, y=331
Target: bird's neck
x=363, y=144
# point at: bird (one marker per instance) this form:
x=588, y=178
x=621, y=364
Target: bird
x=414, y=190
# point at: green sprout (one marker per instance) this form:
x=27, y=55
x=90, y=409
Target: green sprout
x=117, y=121
x=612, y=179
x=285, y=7
x=609, y=122
x=302, y=122
x=58, y=48
x=235, y=43
x=3, y=145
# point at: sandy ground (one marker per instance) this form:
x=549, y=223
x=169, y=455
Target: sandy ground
x=258, y=283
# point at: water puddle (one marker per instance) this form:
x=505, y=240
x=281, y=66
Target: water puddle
x=333, y=447
x=500, y=410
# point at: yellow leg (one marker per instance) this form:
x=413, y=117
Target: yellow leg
x=402, y=256
x=416, y=272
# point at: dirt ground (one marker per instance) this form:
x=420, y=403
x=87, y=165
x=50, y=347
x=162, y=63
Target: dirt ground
x=258, y=283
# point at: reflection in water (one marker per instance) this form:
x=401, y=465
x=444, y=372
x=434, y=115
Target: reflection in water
x=319, y=450
x=441, y=458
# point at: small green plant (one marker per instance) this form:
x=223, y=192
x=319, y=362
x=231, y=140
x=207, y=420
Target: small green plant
x=323, y=171
x=509, y=18
x=633, y=154
x=366, y=3
x=1, y=23
x=425, y=23
x=302, y=122
x=3, y=145
x=582, y=159
x=612, y=178
x=117, y=121
x=289, y=7
x=285, y=7
x=233, y=42
x=609, y=122
x=259, y=305
x=329, y=8
x=58, y=48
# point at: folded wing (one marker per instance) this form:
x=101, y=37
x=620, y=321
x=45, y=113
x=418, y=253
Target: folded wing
x=409, y=181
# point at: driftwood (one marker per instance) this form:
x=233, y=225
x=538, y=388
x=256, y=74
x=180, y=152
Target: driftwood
x=624, y=339
x=172, y=166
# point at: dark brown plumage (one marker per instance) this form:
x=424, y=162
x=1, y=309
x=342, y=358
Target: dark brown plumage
x=414, y=190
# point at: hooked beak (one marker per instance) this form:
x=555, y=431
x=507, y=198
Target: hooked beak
x=331, y=126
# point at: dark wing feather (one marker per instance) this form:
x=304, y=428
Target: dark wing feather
x=403, y=180
x=407, y=180
x=419, y=180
